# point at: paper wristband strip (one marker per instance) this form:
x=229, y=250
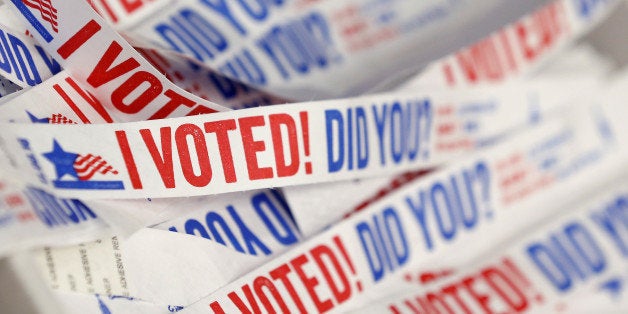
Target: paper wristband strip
x=251, y=227
x=27, y=64
x=24, y=63
x=58, y=100
x=464, y=126
x=517, y=48
x=523, y=45
x=276, y=146
x=317, y=50
x=31, y=64
x=301, y=50
x=102, y=61
x=31, y=217
x=42, y=218
x=86, y=109
x=579, y=254
x=477, y=195
x=67, y=103
x=197, y=78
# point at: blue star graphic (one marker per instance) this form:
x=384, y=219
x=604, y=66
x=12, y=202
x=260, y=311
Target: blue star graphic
x=34, y=119
x=63, y=161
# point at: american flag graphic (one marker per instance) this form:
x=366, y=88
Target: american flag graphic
x=58, y=118
x=46, y=10
x=86, y=166
x=76, y=171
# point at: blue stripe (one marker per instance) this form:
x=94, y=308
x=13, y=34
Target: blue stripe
x=33, y=20
x=89, y=185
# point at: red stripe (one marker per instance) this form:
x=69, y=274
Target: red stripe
x=49, y=3
x=94, y=167
x=82, y=158
x=86, y=166
x=46, y=15
x=47, y=12
x=86, y=175
x=81, y=165
x=38, y=5
x=45, y=3
x=109, y=169
x=89, y=163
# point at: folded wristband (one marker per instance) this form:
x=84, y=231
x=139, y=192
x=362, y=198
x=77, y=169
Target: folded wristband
x=450, y=210
x=119, y=76
x=277, y=146
x=517, y=49
x=559, y=266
